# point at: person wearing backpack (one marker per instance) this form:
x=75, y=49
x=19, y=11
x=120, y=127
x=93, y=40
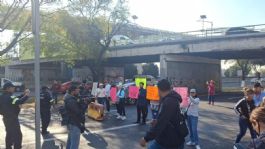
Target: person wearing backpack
x=10, y=106
x=142, y=105
x=121, y=103
x=167, y=132
x=243, y=108
x=193, y=115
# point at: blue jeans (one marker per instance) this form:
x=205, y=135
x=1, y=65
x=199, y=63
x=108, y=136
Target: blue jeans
x=244, y=124
x=101, y=100
x=73, y=137
x=154, y=145
x=193, y=125
x=211, y=99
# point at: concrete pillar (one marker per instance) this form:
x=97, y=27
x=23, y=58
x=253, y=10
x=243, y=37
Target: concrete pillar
x=190, y=71
x=163, y=66
x=7, y=71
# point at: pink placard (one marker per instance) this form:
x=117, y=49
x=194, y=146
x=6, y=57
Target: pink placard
x=183, y=91
x=113, y=94
x=133, y=92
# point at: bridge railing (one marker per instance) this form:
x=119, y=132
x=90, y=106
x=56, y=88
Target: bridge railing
x=206, y=33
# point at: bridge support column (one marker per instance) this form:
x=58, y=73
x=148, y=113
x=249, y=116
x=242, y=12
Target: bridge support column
x=191, y=71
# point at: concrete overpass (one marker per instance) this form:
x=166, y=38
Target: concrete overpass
x=188, y=62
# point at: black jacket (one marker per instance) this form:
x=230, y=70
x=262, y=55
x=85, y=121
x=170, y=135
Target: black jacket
x=244, y=107
x=10, y=104
x=165, y=131
x=45, y=101
x=141, y=101
x=74, y=110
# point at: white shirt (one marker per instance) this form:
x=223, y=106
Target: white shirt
x=107, y=89
x=194, y=106
x=101, y=93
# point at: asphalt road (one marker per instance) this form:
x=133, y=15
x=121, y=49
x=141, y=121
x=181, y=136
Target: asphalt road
x=218, y=127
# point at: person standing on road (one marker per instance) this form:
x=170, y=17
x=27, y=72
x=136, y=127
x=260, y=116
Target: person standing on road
x=107, y=89
x=55, y=90
x=101, y=94
x=243, y=108
x=45, y=109
x=193, y=116
x=10, y=108
x=165, y=134
x=211, y=91
x=259, y=94
x=142, y=105
x=121, y=103
x=76, y=120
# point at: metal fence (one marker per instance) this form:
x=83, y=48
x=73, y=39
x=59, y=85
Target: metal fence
x=206, y=33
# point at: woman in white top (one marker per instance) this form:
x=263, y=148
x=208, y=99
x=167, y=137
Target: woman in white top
x=101, y=94
x=193, y=115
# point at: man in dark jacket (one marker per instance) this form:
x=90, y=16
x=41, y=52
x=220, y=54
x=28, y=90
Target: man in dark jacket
x=45, y=109
x=164, y=134
x=243, y=108
x=10, y=108
x=76, y=117
x=142, y=105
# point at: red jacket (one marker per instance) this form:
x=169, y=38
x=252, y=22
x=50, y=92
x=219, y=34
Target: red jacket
x=211, y=89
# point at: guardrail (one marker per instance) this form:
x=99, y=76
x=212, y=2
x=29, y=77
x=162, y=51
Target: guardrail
x=206, y=33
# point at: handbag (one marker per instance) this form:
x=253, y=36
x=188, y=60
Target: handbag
x=186, y=112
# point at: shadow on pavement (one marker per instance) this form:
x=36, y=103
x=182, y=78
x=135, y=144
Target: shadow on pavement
x=50, y=144
x=95, y=141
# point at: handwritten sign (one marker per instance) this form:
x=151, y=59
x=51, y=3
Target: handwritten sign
x=94, y=88
x=152, y=93
x=139, y=80
x=113, y=94
x=133, y=92
x=183, y=92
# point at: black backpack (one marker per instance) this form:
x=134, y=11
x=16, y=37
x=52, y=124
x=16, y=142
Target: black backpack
x=64, y=115
x=180, y=125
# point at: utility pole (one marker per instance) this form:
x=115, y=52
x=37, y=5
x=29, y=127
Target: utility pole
x=36, y=33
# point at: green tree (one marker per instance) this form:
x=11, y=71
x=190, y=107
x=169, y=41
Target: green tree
x=84, y=32
x=130, y=71
x=232, y=71
x=150, y=69
x=104, y=18
x=243, y=65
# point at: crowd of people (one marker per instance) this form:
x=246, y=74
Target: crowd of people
x=247, y=109
x=169, y=126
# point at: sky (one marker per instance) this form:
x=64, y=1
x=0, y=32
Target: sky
x=182, y=15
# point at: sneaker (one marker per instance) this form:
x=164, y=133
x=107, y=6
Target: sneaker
x=137, y=122
x=197, y=147
x=118, y=117
x=123, y=118
x=190, y=143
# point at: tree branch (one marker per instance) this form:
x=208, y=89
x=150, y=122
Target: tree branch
x=15, y=40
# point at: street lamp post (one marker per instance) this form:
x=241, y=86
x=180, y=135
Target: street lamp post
x=203, y=20
x=36, y=33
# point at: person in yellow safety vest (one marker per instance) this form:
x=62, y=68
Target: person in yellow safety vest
x=10, y=110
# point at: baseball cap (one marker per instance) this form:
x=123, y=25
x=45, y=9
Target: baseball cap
x=193, y=91
x=8, y=85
